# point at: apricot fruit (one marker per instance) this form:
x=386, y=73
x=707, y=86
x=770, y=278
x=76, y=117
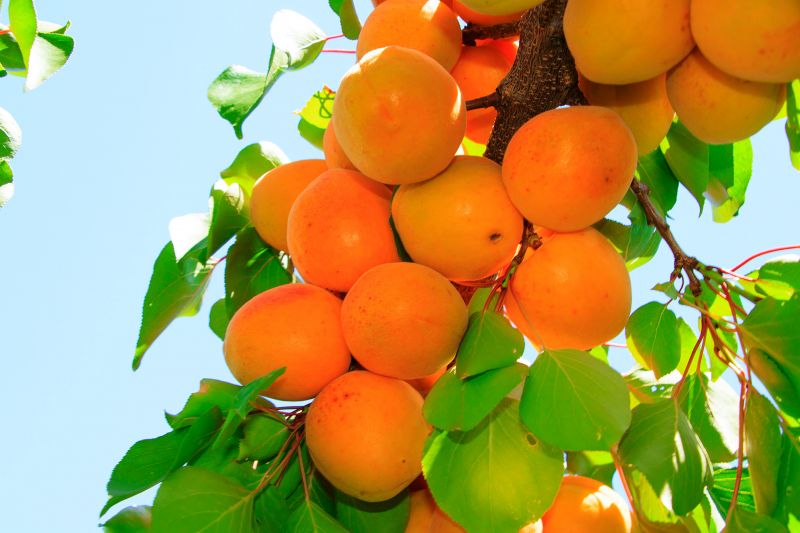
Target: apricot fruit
x=441, y=523
x=365, y=434
x=296, y=326
x=500, y=7
x=380, y=107
x=478, y=72
x=643, y=106
x=428, y=26
x=339, y=228
x=274, y=194
x=566, y=168
x=719, y=108
x=460, y=223
x=627, y=41
x=403, y=320
x=471, y=16
x=584, y=504
x=424, y=384
x=422, y=509
x=752, y=40
x=334, y=155
x=573, y=292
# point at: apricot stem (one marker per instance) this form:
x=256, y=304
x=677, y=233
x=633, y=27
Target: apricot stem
x=473, y=32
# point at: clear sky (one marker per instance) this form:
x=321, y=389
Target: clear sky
x=116, y=144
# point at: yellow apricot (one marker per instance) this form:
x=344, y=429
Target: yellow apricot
x=717, y=107
x=273, y=196
x=460, y=223
x=749, y=39
x=474, y=17
x=500, y=7
x=573, y=292
x=296, y=326
x=339, y=228
x=380, y=107
x=334, y=155
x=403, y=320
x=478, y=72
x=428, y=26
x=366, y=433
x=643, y=106
x=584, y=504
x=422, y=509
x=448, y=3
x=626, y=41
x=565, y=169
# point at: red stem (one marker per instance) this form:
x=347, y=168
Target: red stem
x=765, y=252
x=740, y=453
x=334, y=37
x=338, y=51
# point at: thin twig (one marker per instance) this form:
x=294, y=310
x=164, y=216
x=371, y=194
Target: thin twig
x=474, y=32
x=490, y=100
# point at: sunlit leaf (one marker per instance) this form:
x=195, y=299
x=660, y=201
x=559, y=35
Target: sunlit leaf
x=763, y=438
x=793, y=121
x=10, y=136
x=348, y=17
x=653, y=336
x=688, y=157
x=713, y=410
x=229, y=214
x=654, y=171
x=252, y=162
x=731, y=166
x=130, y=520
x=490, y=342
x=49, y=53
x=316, y=115
x=22, y=19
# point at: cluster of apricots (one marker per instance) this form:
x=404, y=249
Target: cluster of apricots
x=365, y=335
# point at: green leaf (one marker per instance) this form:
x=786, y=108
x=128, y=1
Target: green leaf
x=780, y=383
x=6, y=182
x=575, y=402
x=243, y=404
x=637, y=242
x=193, y=499
x=130, y=520
x=298, y=41
x=473, y=148
x=644, y=386
x=236, y=92
x=176, y=289
x=252, y=162
x=389, y=516
x=212, y=393
x=149, y=461
x=218, y=318
x=188, y=233
x=229, y=214
x=788, y=508
x=224, y=461
x=252, y=267
x=663, y=446
x=713, y=410
x=453, y=404
x=263, y=437
x=730, y=169
x=743, y=521
x=311, y=518
x=10, y=136
x=654, y=171
x=271, y=511
x=22, y=22
x=490, y=342
x=688, y=157
x=596, y=465
x=793, y=121
x=348, y=17
x=315, y=116
x=722, y=490
x=653, y=336
x=778, y=279
x=763, y=440
x=495, y=477
x=49, y=53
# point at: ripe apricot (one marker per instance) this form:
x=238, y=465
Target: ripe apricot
x=274, y=194
x=627, y=41
x=478, y=72
x=422, y=509
x=297, y=326
x=717, y=107
x=643, y=106
x=428, y=26
x=380, y=107
x=752, y=40
x=339, y=229
x=424, y=384
x=403, y=320
x=460, y=223
x=500, y=7
x=474, y=17
x=366, y=433
x=573, y=292
x=334, y=155
x=584, y=504
x=565, y=169
x=441, y=523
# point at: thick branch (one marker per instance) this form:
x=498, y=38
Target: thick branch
x=473, y=32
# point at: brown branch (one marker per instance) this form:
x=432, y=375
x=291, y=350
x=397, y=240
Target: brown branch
x=490, y=100
x=474, y=32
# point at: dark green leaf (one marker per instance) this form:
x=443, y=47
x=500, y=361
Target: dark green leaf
x=130, y=520
x=722, y=490
x=348, y=17
x=575, y=402
x=315, y=116
x=49, y=53
x=11, y=55
x=490, y=342
x=743, y=521
x=763, y=440
x=193, y=499
x=212, y=393
x=793, y=121
x=311, y=518
x=454, y=404
x=263, y=437
x=713, y=410
x=653, y=337
x=730, y=169
x=788, y=509
x=252, y=267
x=389, y=516
x=495, y=477
x=236, y=92
x=252, y=162
x=10, y=136
x=228, y=214
x=22, y=20
x=244, y=403
x=688, y=158
x=218, y=318
x=223, y=460
x=654, y=171
x=271, y=511
x=596, y=465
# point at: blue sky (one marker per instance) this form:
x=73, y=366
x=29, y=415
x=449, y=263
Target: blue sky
x=119, y=142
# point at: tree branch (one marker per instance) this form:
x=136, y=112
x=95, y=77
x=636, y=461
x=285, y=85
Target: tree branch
x=474, y=32
x=490, y=100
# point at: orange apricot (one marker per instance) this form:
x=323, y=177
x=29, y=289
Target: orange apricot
x=274, y=194
x=474, y=17
x=478, y=72
x=460, y=223
x=428, y=26
x=757, y=41
x=334, y=155
x=643, y=106
x=339, y=228
x=508, y=47
x=366, y=433
x=381, y=103
x=424, y=384
x=403, y=320
x=584, y=504
x=422, y=509
x=566, y=168
x=573, y=292
x=627, y=41
x=296, y=326
x=719, y=108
